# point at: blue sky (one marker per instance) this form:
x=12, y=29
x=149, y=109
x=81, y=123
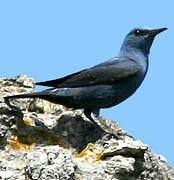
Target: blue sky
x=49, y=39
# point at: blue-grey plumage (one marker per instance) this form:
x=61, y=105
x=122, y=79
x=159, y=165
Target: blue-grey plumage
x=106, y=84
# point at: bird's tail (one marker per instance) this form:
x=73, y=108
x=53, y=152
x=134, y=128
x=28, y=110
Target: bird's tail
x=42, y=95
x=57, y=98
x=29, y=95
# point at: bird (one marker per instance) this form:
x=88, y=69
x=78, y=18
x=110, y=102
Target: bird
x=106, y=84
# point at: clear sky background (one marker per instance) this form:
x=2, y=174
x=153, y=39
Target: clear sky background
x=50, y=39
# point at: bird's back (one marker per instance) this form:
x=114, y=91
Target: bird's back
x=105, y=94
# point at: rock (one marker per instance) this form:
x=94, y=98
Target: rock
x=45, y=141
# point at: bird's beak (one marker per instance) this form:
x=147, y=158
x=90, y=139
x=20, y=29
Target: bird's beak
x=157, y=31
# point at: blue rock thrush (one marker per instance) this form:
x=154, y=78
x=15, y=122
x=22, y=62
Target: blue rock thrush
x=106, y=84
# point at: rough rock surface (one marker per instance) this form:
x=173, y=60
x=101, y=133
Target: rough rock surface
x=43, y=141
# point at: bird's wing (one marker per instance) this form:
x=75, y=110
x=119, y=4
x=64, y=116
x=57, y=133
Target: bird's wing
x=104, y=73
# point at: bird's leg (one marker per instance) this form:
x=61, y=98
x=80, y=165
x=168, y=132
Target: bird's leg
x=96, y=113
x=87, y=113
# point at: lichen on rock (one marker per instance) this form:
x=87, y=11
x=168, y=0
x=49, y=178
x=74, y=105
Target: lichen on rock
x=48, y=141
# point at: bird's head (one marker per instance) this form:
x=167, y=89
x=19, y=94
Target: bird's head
x=140, y=39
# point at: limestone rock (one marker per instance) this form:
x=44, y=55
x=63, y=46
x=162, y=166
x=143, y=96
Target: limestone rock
x=45, y=141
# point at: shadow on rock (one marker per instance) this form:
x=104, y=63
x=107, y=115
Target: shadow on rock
x=75, y=132
x=69, y=132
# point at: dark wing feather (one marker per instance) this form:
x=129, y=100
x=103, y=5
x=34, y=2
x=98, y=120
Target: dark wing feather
x=105, y=73
x=57, y=82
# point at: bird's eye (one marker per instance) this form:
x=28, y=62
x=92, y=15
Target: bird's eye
x=138, y=33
